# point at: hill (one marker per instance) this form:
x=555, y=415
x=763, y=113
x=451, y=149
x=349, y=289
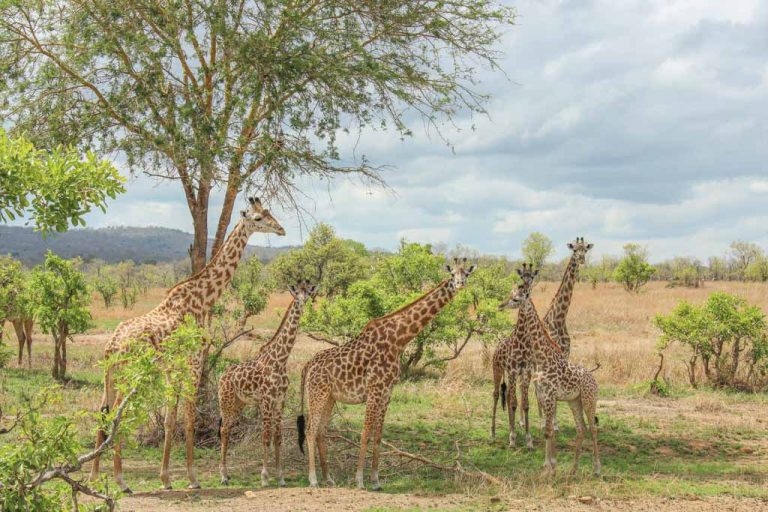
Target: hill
x=142, y=245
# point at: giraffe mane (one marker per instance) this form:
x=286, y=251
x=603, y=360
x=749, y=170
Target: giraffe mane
x=407, y=306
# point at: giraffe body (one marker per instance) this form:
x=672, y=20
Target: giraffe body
x=194, y=296
x=263, y=381
x=365, y=371
x=557, y=379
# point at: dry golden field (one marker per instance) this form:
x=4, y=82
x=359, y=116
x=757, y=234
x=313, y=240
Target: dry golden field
x=697, y=450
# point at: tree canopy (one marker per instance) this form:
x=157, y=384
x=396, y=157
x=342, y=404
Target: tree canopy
x=54, y=188
x=537, y=248
x=239, y=93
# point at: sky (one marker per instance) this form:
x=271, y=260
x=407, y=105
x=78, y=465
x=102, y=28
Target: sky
x=632, y=121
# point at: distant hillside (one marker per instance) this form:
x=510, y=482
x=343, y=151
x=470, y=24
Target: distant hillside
x=142, y=245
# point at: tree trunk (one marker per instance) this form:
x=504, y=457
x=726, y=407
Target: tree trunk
x=226, y=214
x=198, y=249
x=56, y=358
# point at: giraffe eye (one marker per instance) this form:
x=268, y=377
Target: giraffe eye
x=257, y=219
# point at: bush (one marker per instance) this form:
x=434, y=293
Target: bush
x=727, y=337
x=634, y=271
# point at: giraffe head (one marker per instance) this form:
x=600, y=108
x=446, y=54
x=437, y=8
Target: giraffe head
x=580, y=249
x=460, y=272
x=257, y=219
x=302, y=292
x=523, y=292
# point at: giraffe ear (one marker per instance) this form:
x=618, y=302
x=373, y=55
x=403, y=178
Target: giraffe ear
x=535, y=273
x=312, y=290
x=570, y=245
x=243, y=214
x=519, y=272
x=449, y=269
x=471, y=269
x=589, y=246
x=292, y=289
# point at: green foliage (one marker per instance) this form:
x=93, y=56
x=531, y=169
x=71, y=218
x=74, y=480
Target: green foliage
x=728, y=335
x=331, y=262
x=537, y=248
x=106, y=285
x=55, y=189
x=61, y=299
x=634, y=271
x=757, y=270
x=15, y=298
x=251, y=288
x=41, y=442
x=401, y=278
x=743, y=255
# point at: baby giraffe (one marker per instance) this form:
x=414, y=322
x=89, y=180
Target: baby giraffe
x=558, y=380
x=263, y=380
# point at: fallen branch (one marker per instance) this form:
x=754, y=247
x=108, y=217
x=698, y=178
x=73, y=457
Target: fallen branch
x=455, y=467
x=323, y=339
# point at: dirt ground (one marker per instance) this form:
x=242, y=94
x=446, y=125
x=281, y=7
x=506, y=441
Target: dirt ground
x=344, y=500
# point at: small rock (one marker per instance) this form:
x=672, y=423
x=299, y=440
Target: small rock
x=586, y=500
x=250, y=494
x=495, y=499
x=747, y=449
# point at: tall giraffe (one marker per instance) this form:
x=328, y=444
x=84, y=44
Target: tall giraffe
x=194, y=296
x=510, y=360
x=263, y=380
x=554, y=319
x=557, y=380
x=365, y=370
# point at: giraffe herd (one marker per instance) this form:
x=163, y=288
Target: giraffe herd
x=363, y=370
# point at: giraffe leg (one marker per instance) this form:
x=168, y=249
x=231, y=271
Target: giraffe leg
x=322, y=445
x=525, y=386
x=590, y=408
x=578, y=417
x=170, y=427
x=278, y=442
x=268, y=422
x=378, y=428
x=547, y=406
x=511, y=399
x=190, y=413
x=117, y=458
x=230, y=408
x=316, y=405
x=374, y=409
x=107, y=397
x=497, y=378
x=19, y=328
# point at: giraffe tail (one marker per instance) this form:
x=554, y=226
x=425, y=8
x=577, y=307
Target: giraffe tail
x=301, y=423
x=503, y=395
x=597, y=367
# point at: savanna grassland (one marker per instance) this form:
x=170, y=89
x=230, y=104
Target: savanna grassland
x=694, y=450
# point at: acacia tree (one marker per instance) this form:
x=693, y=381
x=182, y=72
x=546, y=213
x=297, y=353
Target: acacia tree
x=61, y=299
x=634, y=271
x=239, y=93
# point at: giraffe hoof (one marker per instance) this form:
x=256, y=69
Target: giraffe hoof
x=194, y=486
x=166, y=487
x=313, y=484
x=330, y=483
x=127, y=491
x=224, y=481
x=281, y=483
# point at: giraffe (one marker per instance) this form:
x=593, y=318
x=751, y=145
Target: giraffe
x=365, y=370
x=194, y=296
x=23, y=326
x=263, y=380
x=557, y=380
x=509, y=360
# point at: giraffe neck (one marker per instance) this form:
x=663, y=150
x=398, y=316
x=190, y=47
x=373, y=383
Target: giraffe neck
x=281, y=344
x=543, y=348
x=411, y=319
x=558, y=308
x=200, y=292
